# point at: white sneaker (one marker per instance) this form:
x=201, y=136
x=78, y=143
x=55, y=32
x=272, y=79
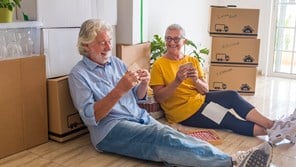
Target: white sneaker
x=259, y=156
x=282, y=130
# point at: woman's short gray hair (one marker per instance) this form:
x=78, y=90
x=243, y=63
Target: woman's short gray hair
x=88, y=32
x=176, y=27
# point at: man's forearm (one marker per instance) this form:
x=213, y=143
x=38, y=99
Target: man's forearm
x=104, y=106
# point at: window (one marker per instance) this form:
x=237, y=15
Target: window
x=284, y=60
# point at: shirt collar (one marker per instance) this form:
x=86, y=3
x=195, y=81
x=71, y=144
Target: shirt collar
x=92, y=65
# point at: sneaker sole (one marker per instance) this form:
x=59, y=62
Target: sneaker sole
x=252, y=159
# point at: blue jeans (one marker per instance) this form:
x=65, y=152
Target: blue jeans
x=161, y=143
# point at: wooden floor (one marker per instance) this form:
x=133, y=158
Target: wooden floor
x=274, y=97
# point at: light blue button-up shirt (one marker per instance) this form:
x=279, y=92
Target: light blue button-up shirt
x=90, y=82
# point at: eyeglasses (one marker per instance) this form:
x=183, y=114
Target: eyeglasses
x=175, y=39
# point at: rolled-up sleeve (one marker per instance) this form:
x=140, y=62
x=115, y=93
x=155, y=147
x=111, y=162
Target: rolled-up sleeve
x=82, y=98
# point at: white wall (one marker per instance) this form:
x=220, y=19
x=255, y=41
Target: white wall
x=124, y=29
x=129, y=22
x=193, y=15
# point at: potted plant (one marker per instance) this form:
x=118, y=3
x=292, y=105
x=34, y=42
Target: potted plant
x=158, y=47
x=6, y=9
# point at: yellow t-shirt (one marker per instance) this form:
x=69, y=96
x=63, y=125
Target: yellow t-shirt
x=185, y=101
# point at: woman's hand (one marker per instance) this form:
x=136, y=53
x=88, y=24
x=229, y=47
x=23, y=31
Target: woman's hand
x=181, y=74
x=192, y=74
x=186, y=71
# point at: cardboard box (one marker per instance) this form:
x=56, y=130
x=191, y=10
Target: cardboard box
x=134, y=56
x=152, y=107
x=23, y=111
x=239, y=78
x=228, y=50
x=234, y=21
x=64, y=120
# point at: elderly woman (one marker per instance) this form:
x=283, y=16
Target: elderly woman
x=179, y=85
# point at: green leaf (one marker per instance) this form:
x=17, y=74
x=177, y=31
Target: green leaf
x=10, y=4
x=204, y=51
x=190, y=43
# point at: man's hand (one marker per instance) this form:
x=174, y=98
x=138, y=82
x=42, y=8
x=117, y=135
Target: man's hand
x=143, y=76
x=128, y=81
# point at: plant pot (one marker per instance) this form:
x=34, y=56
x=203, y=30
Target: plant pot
x=5, y=15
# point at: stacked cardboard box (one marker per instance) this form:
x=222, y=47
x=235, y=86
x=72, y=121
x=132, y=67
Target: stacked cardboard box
x=64, y=120
x=23, y=112
x=235, y=49
x=136, y=57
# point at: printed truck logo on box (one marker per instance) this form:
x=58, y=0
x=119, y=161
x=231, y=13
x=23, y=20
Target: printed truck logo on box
x=242, y=51
x=234, y=22
x=229, y=77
